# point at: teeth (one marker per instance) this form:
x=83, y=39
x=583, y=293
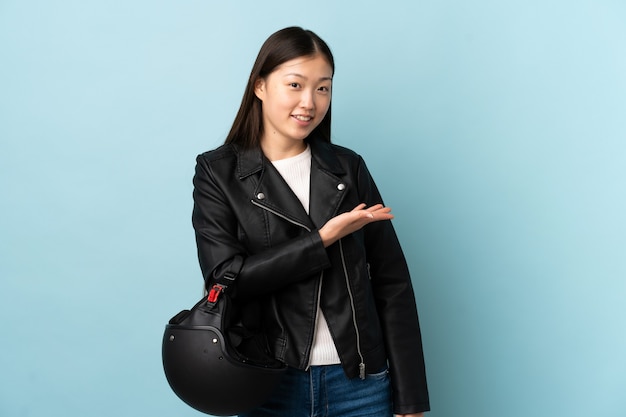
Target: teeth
x=303, y=118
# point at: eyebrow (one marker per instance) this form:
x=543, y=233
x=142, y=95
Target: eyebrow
x=302, y=76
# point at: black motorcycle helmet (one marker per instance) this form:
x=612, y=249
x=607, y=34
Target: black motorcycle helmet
x=216, y=371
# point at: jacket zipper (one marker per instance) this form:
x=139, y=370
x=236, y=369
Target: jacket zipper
x=319, y=288
x=345, y=272
x=281, y=215
x=317, y=317
x=356, y=326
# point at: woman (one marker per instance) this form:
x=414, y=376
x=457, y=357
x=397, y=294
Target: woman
x=322, y=267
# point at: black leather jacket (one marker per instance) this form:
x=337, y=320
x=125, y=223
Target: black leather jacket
x=243, y=207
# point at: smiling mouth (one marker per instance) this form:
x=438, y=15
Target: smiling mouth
x=303, y=118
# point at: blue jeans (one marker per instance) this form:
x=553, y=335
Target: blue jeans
x=325, y=391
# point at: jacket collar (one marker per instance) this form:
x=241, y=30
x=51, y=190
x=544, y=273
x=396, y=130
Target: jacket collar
x=251, y=160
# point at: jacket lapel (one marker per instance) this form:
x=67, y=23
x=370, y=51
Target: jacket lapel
x=270, y=189
x=328, y=187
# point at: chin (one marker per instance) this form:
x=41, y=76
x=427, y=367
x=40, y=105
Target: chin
x=301, y=136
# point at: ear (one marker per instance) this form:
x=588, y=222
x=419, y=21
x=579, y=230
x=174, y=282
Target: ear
x=259, y=88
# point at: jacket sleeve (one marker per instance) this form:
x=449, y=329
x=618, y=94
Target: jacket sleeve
x=216, y=226
x=397, y=311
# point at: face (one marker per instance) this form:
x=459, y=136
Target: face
x=295, y=98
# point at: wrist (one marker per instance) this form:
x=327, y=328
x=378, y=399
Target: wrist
x=326, y=237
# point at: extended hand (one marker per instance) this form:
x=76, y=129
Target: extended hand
x=351, y=221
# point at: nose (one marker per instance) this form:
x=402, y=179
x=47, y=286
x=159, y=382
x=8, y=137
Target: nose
x=307, y=99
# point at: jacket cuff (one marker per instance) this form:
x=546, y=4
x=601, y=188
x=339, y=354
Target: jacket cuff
x=411, y=408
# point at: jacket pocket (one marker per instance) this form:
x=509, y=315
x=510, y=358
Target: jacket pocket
x=280, y=348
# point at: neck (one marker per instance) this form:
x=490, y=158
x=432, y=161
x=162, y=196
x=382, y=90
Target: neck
x=275, y=152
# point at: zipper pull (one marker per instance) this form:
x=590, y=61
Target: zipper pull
x=362, y=370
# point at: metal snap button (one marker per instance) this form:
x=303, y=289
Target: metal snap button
x=260, y=196
x=341, y=187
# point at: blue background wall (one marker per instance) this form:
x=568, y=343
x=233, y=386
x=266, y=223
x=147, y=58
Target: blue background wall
x=496, y=130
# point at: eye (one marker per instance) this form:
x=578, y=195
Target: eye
x=294, y=85
x=323, y=89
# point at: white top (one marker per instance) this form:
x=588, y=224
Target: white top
x=296, y=171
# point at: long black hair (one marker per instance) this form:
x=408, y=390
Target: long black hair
x=280, y=47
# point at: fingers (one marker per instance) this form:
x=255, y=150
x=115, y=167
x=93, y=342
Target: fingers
x=372, y=209
x=375, y=207
x=364, y=212
x=381, y=214
x=379, y=209
x=373, y=213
